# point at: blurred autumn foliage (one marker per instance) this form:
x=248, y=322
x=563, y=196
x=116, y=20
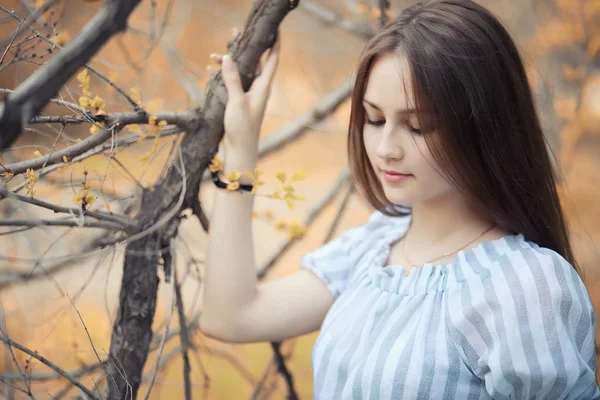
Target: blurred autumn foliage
x=161, y=63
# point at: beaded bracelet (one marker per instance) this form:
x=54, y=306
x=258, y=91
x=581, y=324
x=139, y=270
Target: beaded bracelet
x=223, y=185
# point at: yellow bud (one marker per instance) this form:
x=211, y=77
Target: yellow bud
x=280, y=225
x=233, y=185
x=233, y=176
x=84, y=101
x=37, y=153
x=97, y=103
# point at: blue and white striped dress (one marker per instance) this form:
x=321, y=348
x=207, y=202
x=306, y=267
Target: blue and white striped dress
x=507, y=319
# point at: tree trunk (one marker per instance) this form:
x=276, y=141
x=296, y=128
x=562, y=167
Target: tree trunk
x=161, y=208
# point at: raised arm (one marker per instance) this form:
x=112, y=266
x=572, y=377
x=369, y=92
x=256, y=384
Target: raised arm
x=236, y=307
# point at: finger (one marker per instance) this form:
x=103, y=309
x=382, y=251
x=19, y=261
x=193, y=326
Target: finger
x=231, y=78
x=263, y=82
x=216, y=58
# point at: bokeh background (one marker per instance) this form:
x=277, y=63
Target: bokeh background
x=165, y=53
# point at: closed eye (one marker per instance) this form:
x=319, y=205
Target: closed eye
x=375, y=123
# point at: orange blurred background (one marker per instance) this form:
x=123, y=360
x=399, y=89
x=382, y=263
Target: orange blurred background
x=560, y=40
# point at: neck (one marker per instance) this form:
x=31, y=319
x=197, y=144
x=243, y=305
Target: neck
x=445, y=220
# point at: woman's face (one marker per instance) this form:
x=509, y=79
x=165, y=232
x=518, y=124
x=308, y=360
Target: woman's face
x=394, y=140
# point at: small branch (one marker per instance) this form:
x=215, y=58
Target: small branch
x=50, y=364
x=313, y=214
x=79, y=222
x=4, y=332
x=91, y=342
x=328, y=17
x=31, y=18
x=9, y=278
x=184, y=337
x=305, y=121
x=122, y=142
x=122, y=220
x=384, y=6
x=60, y=102
x=116, y=121
x=284, y=371
x=32, y=95
x=338, y=215
x=164, y=336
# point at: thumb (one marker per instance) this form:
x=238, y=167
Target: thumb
x=231, y=77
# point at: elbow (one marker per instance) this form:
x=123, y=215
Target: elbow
x=219, y=329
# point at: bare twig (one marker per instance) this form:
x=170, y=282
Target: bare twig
x=83, y=222
x=284, y=371
x=164, y=336
x=122, y=220
x=184, y=338
x=50, y=364
x=31, y=18
x=4, y=332
x=328, y=17
x=91, y=342
x=339, y=213
x=116, y=121
x=384, y=6
x=33, y=94
x=301, y=124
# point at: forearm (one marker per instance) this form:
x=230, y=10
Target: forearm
x=230, y=274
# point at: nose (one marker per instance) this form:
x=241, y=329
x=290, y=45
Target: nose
x=389, y=146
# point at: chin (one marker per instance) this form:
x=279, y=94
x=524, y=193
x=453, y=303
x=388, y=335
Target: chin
x=399, y=198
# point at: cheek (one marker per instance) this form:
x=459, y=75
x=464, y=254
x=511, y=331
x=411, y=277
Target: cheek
x=370, y=140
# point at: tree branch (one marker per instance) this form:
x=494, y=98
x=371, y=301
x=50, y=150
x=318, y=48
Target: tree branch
x=49, y=363
x=312, y=215
x=118, y=219
x=329, y=17
x=35, y=92
x=116, y=122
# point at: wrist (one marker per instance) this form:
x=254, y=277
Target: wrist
x=240, y=160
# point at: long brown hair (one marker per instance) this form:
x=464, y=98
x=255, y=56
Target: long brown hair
x=488, y=139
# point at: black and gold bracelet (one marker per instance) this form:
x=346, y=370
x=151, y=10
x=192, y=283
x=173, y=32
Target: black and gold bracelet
x=223, y=185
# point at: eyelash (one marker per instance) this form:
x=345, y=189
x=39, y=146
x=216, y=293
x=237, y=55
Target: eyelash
x=381, y=123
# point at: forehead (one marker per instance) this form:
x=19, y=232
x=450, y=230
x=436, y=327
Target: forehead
x=390, y=83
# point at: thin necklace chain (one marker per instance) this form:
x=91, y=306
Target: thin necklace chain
x=411, y=265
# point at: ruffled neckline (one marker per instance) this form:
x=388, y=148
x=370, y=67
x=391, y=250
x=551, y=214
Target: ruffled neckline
x=427, y=277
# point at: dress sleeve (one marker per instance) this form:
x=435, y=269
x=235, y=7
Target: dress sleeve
x=334, y=262
x=527, y=328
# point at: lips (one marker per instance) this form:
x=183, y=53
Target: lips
x=389, y=172
x=394, y=176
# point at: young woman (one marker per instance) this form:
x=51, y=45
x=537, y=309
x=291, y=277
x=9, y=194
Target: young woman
x=462, y=284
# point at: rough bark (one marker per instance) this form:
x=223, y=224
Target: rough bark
x=132, y=330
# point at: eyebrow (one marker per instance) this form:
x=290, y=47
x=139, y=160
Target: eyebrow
x=405, y=111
